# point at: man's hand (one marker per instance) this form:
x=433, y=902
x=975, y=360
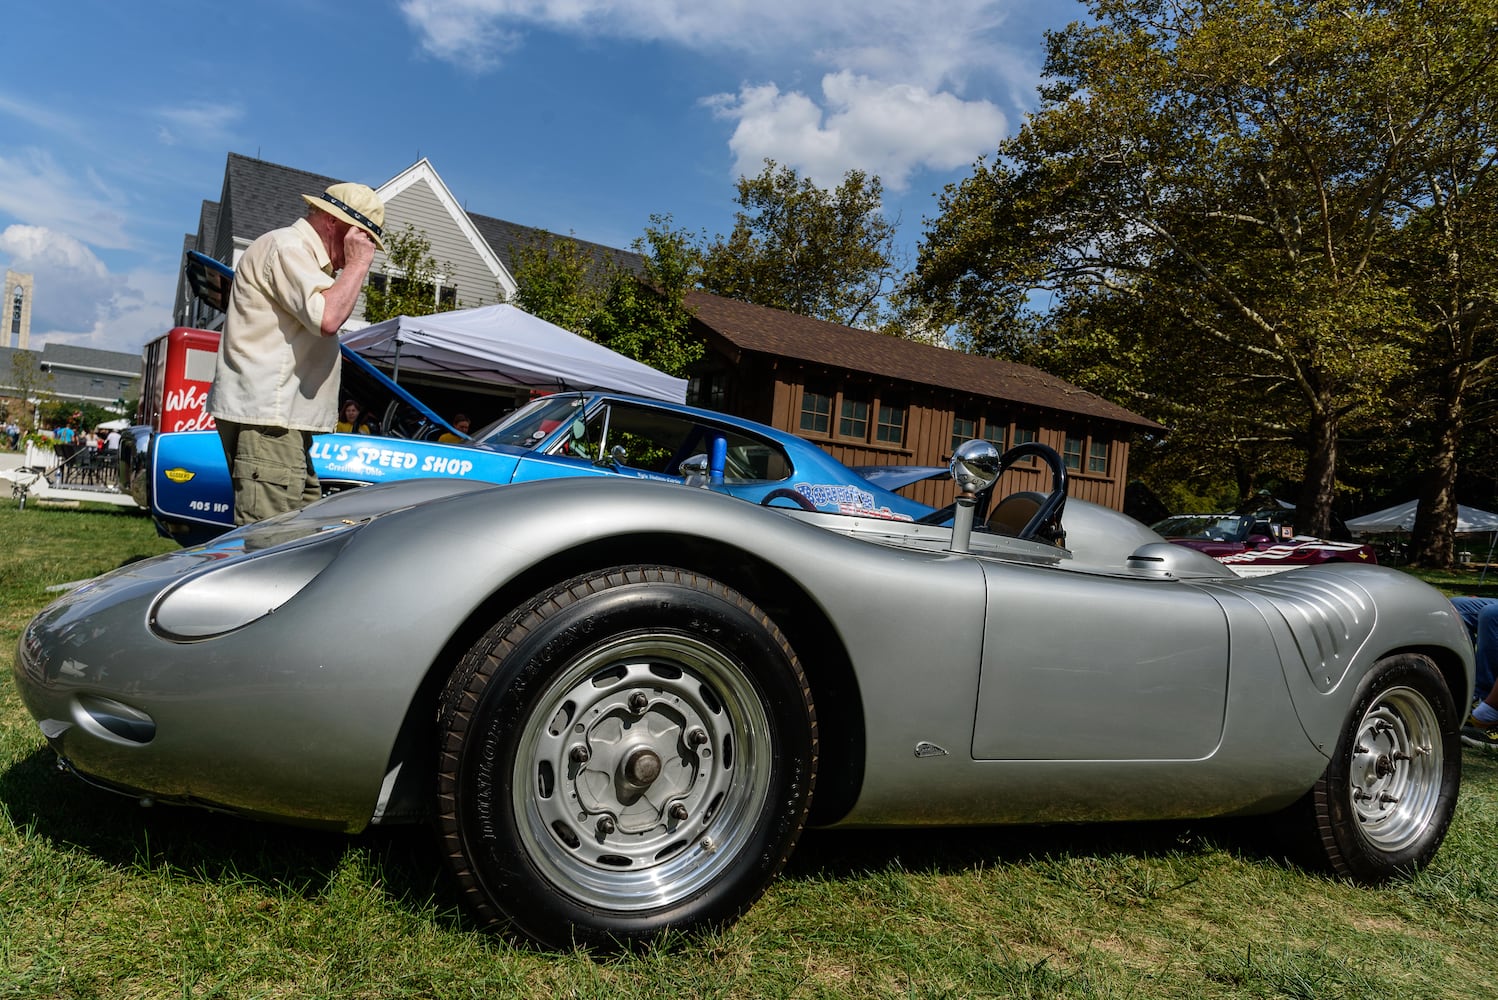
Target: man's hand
x=358, y=249
x=338, y=301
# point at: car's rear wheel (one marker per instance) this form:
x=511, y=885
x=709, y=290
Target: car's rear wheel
x=1384, y=803
x=631, y=751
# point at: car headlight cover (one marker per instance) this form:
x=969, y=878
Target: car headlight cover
x=229, y=596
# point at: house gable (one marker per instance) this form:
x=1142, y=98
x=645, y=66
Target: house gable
x=418, y=197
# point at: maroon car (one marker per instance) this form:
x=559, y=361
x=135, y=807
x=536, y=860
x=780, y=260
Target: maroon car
x=1261, y=542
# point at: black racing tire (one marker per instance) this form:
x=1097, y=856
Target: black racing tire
x=1385, y=801
x=632, y=751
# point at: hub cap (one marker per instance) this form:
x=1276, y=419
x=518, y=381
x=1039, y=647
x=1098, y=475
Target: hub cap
x=1395, y=775
x=642, y=771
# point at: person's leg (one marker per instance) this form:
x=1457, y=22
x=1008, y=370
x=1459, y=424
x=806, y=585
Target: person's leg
x=268, y=467
x=1487, y=650
x=311, y=486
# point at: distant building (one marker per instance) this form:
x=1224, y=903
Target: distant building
x=80, y=374
x=866, y=398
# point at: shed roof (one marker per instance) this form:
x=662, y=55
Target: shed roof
x=763, y=330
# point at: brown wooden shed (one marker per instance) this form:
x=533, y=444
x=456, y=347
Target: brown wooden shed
x=872, y=399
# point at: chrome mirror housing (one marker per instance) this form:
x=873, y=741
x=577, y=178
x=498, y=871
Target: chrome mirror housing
x=694, y=471
x=975, y=466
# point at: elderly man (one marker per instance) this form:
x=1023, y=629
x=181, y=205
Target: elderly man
x=277, y=378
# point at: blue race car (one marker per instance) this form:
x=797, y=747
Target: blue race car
x=566, y=434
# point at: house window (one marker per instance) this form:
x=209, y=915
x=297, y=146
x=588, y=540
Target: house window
x=994, y=432
x=891, y=426
x=1097, y=457
x=1072, y=452
x=854, y=422
x=398, y=284
x=963, y=430
x=816, y=412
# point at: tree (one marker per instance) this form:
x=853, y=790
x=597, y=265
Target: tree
x=559, y=281
x=639, y=311
x=1450, y=253
x=645, y=316
x=1238, y=175
x=33, y=388
x=409, y=286
x=794, y=246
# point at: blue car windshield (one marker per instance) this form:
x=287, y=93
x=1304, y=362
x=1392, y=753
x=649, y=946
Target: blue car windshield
x=533, y=423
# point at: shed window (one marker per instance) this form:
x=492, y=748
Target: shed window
x=816, y=412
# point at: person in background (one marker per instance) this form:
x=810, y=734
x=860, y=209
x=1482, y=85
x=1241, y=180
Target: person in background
x=462, y=423
x=112, y=441
x=277, y=379
x=348, y=422
x=1480, y=615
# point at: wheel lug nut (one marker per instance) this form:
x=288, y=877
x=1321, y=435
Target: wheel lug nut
x=605, y=826
x=579, y=754
x=678, y=812
x=638, y=703
x=696, y=737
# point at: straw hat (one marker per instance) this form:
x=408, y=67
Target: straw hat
x=355, y=204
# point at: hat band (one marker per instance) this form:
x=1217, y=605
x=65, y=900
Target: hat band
x=353, y=213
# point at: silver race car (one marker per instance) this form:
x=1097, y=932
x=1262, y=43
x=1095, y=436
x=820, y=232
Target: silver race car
x=621, y=701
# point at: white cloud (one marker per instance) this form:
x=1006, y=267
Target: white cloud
x=42, y=116
x=36, y=190
x=927, y=42
x=75, y=298
x=888, y=129
x=203, y=124
x=898, y=79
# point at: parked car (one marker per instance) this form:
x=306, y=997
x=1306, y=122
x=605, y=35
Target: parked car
x=1261, y=540
x=621, y=701
x=564, y=434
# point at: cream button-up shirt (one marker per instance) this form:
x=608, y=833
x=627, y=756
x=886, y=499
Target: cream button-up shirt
x=275, y=368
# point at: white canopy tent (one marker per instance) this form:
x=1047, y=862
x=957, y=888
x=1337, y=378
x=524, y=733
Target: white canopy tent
x=1401, y=517
x=506, y=345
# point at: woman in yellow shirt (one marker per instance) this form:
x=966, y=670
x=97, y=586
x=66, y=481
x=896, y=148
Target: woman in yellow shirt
x=349, y=422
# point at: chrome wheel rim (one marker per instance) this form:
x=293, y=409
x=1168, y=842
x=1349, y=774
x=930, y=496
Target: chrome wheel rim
x=1394, y=780
x=640, y=773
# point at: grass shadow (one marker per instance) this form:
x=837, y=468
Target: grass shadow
x=215, y=847
x=832, y=853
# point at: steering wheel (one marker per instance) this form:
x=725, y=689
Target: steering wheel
x=784, y=493
x=1045, y=524
x=402, y=422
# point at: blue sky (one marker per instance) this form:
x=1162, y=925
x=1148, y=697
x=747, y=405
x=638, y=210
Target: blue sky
x=580, y=116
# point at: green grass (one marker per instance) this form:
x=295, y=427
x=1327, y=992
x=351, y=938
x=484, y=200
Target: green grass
x=101, y=898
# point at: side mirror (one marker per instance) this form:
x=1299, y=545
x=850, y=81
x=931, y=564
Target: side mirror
x=617, y=455
x=694, y=471
x=975, y=466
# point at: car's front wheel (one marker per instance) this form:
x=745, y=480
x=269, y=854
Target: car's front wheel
x=631, y=751
x=1382, y=806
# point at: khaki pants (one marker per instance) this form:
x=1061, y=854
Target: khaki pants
x=271, y=469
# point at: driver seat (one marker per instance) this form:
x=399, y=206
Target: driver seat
x=1010, y=515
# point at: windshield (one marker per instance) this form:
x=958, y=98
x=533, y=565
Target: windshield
x=528, y=426
x=1217, y=527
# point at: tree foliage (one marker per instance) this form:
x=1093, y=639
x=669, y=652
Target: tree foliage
x=33, y=387
x=555, y=280
x=639, y=311
x=1216, y=198
x=410, y=280
x=828, y=254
